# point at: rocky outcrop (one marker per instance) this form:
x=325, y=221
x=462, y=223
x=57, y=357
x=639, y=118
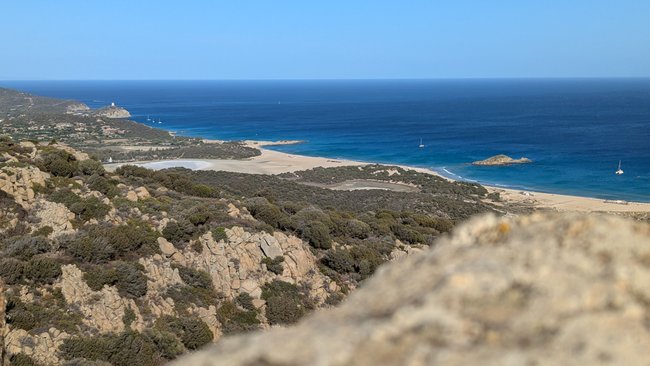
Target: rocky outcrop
x=499, y=160
x=18, y=182
x=103, y=310
x=42, y=347
x=235, y=265
x=54, y=215
x=538, y=290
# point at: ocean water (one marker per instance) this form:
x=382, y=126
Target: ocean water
x=575, y=130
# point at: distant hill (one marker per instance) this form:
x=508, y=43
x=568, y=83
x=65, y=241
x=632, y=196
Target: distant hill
x=19, y=102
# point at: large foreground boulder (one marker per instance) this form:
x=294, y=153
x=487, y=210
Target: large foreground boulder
x=538, y=290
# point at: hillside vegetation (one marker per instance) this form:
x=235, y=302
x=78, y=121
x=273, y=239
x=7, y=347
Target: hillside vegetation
x=142, y=266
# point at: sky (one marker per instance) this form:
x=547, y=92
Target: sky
x=327, y=39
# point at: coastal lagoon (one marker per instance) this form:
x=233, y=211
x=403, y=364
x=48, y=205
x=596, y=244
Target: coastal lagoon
x=574, y=130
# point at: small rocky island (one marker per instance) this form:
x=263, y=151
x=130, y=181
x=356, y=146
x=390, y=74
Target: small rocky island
x=500, y=160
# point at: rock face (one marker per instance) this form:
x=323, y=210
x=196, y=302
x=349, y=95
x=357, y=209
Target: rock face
x=499, y=160
x=54, y=215
x=537, y=290
x=235, y=265
x=18, y=183
x=103, y=310
x=41, y=347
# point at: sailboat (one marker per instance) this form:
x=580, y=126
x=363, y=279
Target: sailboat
x=159, y=121
x=148, y=119
x=619, y=171
x=421, y=144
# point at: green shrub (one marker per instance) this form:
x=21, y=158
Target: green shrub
x=26, y=247
x=21, y=359
x=90, y=208
x=245, y=301
x=92, y=246
x=193, y=332
x=59, y=163
x=103, y=185
x=46, y=311
x=91, y=167
x=131, y=281
x=199, y=218
x=168, y=345
x=98, y=276
x=284, y=302
x=194, y=277
x=274, y=265
x=318, y=235
x=219, y=234
x=11, y=270
x=270, y=214
x=234, y=320
x=340, y=261
x=406, y=234
x=183, y=296
x=129, y=316
x=43, y=270
x=124, y=349
x=44, y=231
x=178, y=233
x=282, y=310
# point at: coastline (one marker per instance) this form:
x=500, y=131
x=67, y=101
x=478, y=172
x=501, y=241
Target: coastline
x=276, y=162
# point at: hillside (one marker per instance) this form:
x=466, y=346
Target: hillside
x=15, y=102
x=544, y=289
x=94, y=263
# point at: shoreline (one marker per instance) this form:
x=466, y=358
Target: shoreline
x=275, y=162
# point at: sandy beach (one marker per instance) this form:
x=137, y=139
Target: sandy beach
x=275, y=162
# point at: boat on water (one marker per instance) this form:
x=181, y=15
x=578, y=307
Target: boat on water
x=421, y=144
x=159, y=122
x=148, y=119
x=619, y=171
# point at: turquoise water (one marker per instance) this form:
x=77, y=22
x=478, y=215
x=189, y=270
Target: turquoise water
x=575, y=130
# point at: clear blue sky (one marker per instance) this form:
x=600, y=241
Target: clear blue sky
x=309, y=39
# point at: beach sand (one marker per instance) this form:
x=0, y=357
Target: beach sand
x=275, y=162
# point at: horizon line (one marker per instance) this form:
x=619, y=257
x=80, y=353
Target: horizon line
x=354, y=79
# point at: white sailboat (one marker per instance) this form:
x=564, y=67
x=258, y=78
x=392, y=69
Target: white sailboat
x=148, y=119
x=159, y=121
x=421, y=144
x=619, y=171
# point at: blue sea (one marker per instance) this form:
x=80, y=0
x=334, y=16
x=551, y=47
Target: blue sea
x=575, y=130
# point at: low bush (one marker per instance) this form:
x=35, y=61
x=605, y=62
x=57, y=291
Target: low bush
x=59, y=163
x=124, y=349
x=245, y=301
x=318, y=235
x=194, y=277
x=274, y=265
x=128, y=277
x=25, y=247
x=43, y=270
x=11, y=270
x=235, y=320
x=179, y=233
x=284, y=302
x=44, y=231
x=21, y=359
x=91, y=167
x=192, y=332
x=219, y=234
